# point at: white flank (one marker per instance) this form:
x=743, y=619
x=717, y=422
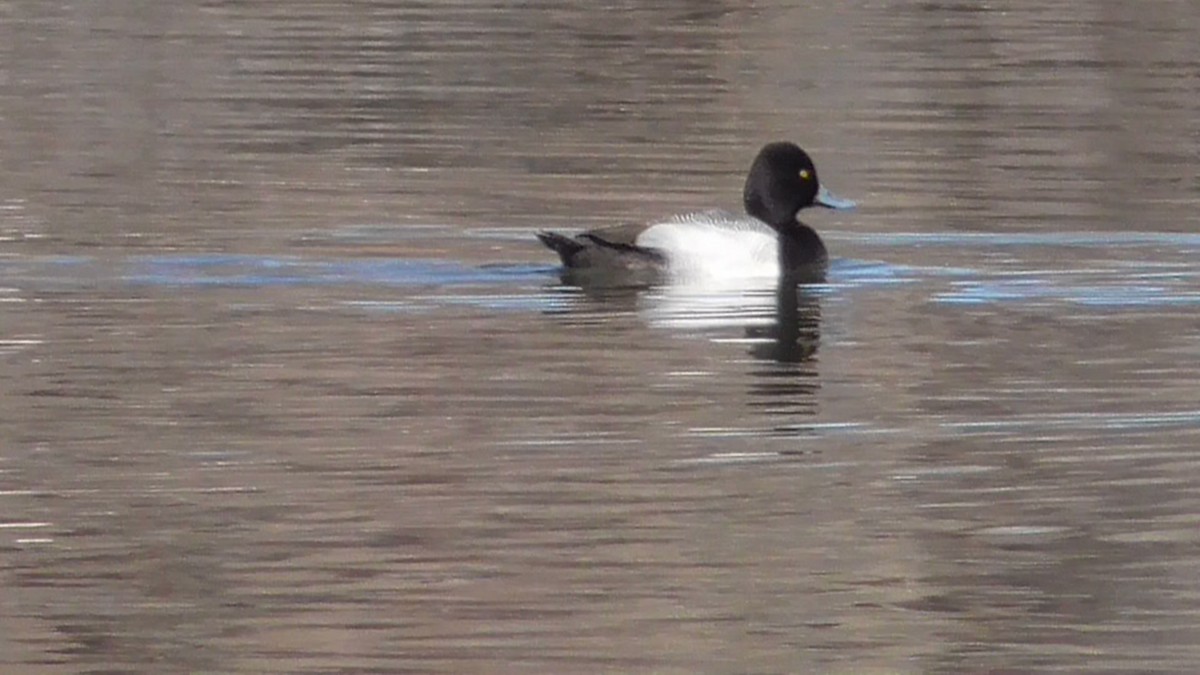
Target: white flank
x=715, y=245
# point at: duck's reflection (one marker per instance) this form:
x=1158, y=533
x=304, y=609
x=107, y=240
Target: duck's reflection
x=796, y=333
x=777, y=321
x=788, y=379
x=781, y=321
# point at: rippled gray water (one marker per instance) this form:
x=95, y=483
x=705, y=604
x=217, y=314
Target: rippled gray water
x=288, y=385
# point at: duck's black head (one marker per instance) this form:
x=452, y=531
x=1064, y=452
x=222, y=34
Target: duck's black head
x=782, y=181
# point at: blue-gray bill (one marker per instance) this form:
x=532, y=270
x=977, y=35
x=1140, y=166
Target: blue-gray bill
x=831, y=201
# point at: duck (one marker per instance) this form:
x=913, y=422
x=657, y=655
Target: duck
x=771, y=242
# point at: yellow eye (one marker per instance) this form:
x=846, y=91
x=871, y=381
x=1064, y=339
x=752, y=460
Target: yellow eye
x=805, y=174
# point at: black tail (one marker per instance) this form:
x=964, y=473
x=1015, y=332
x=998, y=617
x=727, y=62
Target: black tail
x=565, y=247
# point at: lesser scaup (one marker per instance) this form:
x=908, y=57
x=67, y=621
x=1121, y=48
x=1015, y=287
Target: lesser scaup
x=781, y=182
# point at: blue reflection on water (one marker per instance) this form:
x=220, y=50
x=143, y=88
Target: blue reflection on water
x=245, y=270
x=1046, y=290
x=248, y=270
x=1125, y=283
x=998, y=239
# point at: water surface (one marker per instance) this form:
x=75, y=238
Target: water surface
x=290, y=387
